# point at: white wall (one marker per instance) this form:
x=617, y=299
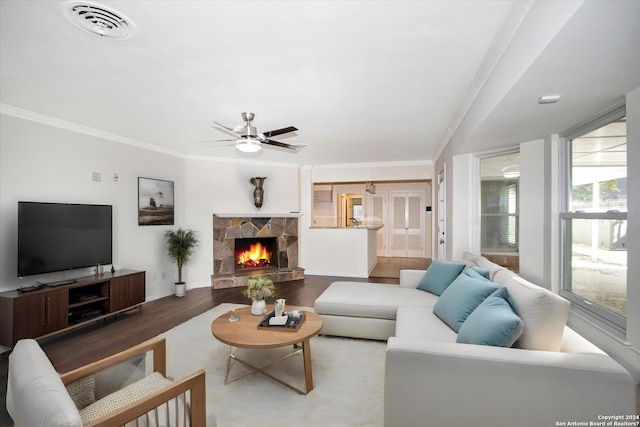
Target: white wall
x=48, y=164
x=461, y=208
x=633, y=221
x=535, y=212
x=397, y=171
x=44, y=163
x=224, y=188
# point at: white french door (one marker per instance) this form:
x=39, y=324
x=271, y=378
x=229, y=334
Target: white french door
x=407, y=220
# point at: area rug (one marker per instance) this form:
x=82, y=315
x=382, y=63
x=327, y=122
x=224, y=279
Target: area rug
x=348, y=378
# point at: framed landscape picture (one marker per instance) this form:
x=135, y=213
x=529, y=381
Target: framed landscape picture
x=155, y=202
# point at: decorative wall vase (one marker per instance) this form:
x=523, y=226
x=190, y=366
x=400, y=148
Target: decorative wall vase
x=258, y=193
x=258, y=308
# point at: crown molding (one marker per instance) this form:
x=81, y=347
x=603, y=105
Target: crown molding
x=372, y=165
x=21, y=113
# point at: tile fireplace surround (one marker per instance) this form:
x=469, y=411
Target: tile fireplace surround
x=226, y=228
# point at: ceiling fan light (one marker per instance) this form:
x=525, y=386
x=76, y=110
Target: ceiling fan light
x=548, y=99
x=512, y=171
x=248, y=145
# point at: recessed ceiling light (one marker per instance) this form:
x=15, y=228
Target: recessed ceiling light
x=548, y=99
x=99, y=20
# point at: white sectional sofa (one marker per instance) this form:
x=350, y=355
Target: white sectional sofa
x=549, y=376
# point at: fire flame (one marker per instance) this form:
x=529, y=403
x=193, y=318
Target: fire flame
x=257, y=256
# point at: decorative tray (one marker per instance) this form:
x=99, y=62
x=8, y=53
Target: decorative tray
x=294, y=320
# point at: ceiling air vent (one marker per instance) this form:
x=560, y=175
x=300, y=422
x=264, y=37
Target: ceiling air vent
x=99, y=20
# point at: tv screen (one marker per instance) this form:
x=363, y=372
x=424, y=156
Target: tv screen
x=57, y=236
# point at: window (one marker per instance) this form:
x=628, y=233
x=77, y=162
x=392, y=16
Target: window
x=594, y=219
x=499, y=178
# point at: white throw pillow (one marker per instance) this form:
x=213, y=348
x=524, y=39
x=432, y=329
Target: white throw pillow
x=501, y=276
x=544, y=315
x=490, y=266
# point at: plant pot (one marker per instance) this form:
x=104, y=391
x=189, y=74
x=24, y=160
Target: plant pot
x=258, y=308
x=180, y=289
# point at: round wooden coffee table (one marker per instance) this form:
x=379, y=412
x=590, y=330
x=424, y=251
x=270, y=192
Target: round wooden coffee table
x=245, y=333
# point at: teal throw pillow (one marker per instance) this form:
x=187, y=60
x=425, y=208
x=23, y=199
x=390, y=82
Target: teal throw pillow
x=495, y=322
x=481, y=271
x=439, y=276
x=460, y=299
x=472, y=272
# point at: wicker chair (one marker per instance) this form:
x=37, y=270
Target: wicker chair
x=38, y=396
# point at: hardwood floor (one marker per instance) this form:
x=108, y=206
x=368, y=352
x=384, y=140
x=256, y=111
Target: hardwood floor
x=84, y=345
x=76, y=348
x=390, y=267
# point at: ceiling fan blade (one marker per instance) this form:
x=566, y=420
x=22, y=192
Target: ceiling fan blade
x=280, y=131
x=294, y=147
x=222, y=126
x=224, y=129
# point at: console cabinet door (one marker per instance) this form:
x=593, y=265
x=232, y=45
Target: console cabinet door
x=40, y=314
x=127, y=291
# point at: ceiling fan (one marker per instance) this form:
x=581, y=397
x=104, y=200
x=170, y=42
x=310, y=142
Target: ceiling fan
x=248, y=140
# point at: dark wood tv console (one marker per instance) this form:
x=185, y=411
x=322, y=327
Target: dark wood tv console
x=50, y=310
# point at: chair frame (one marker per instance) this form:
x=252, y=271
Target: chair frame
x=194, y=383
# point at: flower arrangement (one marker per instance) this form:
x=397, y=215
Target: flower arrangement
x=259, y=287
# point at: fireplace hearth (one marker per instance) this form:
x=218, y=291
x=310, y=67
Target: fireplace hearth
x=274, y=252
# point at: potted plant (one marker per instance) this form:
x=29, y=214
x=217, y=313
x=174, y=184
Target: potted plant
x=180, y=246
x=259, y=287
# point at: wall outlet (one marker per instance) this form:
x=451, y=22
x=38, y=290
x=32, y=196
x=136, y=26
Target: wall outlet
x=96, y=176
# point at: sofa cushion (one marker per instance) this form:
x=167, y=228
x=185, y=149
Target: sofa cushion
x=439, y=276
x=462, y=297
x=494, y=322
x=36, y=395
x=373, y=300
x=420, y=323
x=544, y=315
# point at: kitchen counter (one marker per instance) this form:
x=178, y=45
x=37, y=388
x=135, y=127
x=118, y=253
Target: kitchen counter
x=341, y=251
x=360, y=227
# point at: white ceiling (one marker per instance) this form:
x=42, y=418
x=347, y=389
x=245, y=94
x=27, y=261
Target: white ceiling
x=363, y=81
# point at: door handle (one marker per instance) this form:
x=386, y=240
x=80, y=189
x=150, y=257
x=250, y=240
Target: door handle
x=442, y=241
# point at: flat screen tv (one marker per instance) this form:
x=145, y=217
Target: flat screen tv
x=62, y=236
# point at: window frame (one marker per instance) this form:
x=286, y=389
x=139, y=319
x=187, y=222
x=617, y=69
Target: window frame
x=599, y=314
x=515, y=216
x=478, y=198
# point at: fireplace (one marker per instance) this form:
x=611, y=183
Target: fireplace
x=256, y=253
x=277, y=235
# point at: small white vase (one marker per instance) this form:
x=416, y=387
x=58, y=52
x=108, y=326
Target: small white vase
x=258, y=308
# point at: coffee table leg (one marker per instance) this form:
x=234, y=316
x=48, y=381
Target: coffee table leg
x=306, y=355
